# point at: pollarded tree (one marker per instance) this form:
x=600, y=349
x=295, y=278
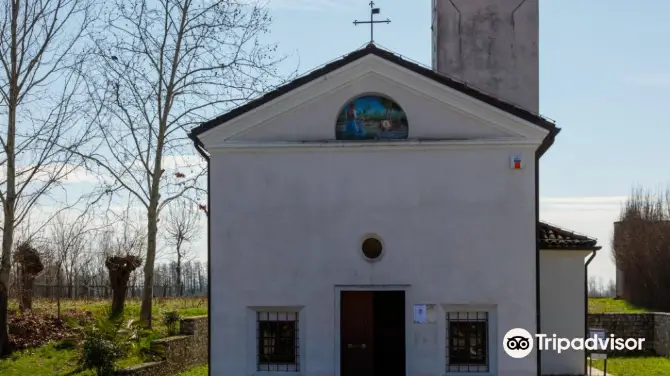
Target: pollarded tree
x=30, y=266
x=119, y=268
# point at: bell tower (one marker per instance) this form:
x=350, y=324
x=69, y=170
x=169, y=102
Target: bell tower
x=491, y=45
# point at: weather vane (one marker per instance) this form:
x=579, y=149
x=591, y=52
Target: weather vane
x=372, y=21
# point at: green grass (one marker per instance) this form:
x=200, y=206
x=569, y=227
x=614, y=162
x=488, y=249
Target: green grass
x=197, y=371
x=187, y=307
x=643, y=366
x=609, y=305
x=48, y=360
x=45, y=360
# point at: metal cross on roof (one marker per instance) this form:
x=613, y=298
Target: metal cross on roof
x=372, y=21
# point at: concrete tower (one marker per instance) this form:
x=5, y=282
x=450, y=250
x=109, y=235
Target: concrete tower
x=491, y=45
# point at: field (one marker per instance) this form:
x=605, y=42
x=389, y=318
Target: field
x=605, y=305
x=53, y=348
x=642, y=366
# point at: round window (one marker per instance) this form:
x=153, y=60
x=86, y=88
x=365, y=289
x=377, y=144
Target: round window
x=372, y=248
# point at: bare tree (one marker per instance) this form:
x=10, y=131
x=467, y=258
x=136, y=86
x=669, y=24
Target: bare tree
x=67, y=241
x=39, y=58
x=120, y=268
x=163, y=66
x=181, y=229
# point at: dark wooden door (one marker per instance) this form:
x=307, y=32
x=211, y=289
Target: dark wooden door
x=357, y=333
x=389, y=333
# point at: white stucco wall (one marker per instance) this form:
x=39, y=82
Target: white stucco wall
x=491, y=44
x=562, y=307
x=458, y=227
x=315, y=119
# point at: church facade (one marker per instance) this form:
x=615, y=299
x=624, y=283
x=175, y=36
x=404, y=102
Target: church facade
x=378, y=217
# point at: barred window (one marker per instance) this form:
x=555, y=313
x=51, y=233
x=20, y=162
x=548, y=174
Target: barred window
x=278, y=341
x=467, y=342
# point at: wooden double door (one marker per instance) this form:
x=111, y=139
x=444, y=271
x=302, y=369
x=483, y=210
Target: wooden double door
x=372, y=333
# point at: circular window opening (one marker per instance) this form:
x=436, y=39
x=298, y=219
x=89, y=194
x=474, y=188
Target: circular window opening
x=372, y=248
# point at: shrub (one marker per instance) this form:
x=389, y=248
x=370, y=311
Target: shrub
x=171, y=321
x=103, y=346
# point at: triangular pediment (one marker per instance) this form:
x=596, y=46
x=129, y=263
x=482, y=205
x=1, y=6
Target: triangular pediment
x=427, y=105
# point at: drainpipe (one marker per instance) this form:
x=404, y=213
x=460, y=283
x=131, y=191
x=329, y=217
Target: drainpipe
x=586, y=301
x=200, y=147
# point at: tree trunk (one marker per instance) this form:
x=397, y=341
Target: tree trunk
x=147, y=291
x=118, y=301
x=5, y=268
x=10, y=194
x=5, y=346
x=26, y=295
x=180, y=291
x=58, y=290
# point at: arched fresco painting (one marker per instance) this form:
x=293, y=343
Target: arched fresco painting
x=371, y=117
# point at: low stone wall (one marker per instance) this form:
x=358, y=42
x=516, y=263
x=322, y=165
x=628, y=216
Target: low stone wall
x=653, y=327
x=662, y=334
x=188, y=349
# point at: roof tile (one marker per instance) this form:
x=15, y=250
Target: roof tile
x=554, y=237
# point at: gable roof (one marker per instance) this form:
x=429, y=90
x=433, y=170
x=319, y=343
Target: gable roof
x=556, y=238
x=371, y=49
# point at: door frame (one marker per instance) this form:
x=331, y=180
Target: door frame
x=408, y=317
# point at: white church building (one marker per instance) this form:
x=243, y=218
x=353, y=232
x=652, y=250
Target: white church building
x=379, y=217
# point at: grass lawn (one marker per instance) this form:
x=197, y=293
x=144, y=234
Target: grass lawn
x=50, y=360
x=197, y=371
x=605, y=305
x=45, y=360
x=635, y=366
x=186, y=307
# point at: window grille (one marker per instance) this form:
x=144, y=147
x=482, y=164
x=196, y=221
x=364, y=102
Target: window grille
x=278, y=341
x=467, y=342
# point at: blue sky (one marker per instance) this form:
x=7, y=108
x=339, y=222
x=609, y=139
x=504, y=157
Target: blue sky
x=604, y=73
x=604, y=78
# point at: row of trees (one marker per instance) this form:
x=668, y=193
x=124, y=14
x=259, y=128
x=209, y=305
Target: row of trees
x=641, y=249
x=78, y=255
x=104, y=92
x=93, y=283
x=596, y=288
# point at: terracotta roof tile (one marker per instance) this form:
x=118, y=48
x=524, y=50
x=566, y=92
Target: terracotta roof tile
x=554, y=237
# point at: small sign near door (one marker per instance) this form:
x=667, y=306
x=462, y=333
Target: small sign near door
x=420, y=314
x=424, y=313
